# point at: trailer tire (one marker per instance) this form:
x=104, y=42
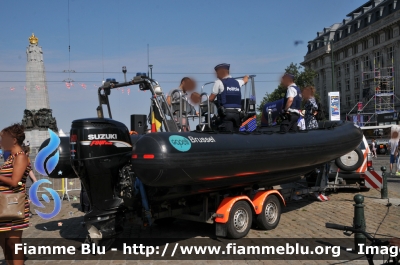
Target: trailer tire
x=350, y=161
x=270, y=216
x=240, y=220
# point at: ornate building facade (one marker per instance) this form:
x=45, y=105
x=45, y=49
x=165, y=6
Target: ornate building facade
x=361, y=50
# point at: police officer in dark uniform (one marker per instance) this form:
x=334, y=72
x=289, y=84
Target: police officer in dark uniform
x=227, y=91
x=291, y=104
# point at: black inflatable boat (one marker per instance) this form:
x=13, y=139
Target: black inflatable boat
x=266, y=156
x=196, y=162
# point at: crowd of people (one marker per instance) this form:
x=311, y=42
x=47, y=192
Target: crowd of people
x=300, y=108
x=299, y=112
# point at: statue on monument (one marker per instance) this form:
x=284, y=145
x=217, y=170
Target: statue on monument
x=28, y=121
x=33, y=39
x=53, y=124
x=39, y=120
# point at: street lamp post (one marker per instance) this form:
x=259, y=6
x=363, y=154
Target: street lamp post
x=151, y=70
x=333, y=65
x=124, y=71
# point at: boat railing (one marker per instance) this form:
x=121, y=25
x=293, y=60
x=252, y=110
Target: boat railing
x=180, y=107
x=158, y=99
x=269, y=117
x=204, y=108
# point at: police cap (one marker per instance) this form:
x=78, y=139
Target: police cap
x=223, y=66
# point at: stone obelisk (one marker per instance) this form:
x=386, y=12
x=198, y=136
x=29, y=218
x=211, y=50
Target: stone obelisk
x=37, y=115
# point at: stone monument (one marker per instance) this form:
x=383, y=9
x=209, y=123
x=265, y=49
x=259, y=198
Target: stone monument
x=37, y=115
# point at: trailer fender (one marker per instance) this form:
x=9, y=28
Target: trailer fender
x=261, y=196
x=225, y=207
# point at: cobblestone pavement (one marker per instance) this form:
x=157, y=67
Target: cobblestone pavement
x=301, y=219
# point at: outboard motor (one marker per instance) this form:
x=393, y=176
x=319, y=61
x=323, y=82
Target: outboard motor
x=100, y=155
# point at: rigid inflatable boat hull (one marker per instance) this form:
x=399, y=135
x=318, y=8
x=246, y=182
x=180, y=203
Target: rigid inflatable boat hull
x=173, y=159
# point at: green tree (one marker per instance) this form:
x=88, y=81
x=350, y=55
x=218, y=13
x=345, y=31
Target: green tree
x=302, y=77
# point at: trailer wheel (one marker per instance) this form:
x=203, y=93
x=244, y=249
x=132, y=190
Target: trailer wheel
x=270, y=216
x=240, y=219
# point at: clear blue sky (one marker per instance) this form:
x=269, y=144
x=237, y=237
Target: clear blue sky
x=185, y=37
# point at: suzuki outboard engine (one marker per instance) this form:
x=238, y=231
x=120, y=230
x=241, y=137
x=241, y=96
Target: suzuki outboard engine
x=100, y=153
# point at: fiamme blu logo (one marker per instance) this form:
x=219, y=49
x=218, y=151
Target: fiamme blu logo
x=45, y=162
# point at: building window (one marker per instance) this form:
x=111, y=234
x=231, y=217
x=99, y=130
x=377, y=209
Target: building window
x=377, y=15
x=376, y=39
x=339, y=86
x=365, y=45
x=390, y=7
x=366, y=62
x=355, y=65
x=390, y=54
x=348, y=100
x=347, y=69
x=377, y=59
x=338, y=71
x=355, y=49
x=347, y=85
x=357, y=97
x=365, y=21
x=323, y=76
x=389, y=34
x=337, y=57
x=356, y=83
x=346, y=53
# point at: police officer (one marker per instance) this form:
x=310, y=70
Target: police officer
x=291, y=104
x=227, y=91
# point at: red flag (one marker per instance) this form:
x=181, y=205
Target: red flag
x=37, y=87
x=122, y=90
x=128, y=91
x=12, y=88
x=83, y=85
x=68, y=85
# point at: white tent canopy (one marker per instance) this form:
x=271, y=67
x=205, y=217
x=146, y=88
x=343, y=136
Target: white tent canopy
x=61, y=133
